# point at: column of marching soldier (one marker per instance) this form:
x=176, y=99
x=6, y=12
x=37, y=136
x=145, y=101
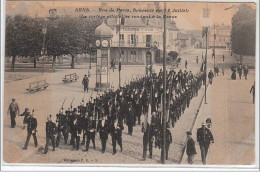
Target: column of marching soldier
x=107, y=113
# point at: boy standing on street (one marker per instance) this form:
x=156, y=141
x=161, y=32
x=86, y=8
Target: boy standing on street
x=190, y=150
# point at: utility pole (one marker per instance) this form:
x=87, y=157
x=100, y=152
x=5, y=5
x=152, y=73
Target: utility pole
x=119, y=47
x=164, y=89
x=214, y=44
x=206, y=65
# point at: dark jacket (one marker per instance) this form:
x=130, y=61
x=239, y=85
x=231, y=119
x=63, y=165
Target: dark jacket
x=204, y=136
x=51, y=129
x=32, y=124
x=103, y=130
x=191, y=150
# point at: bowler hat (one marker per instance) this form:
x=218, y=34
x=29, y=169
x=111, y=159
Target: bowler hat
x=188, y=133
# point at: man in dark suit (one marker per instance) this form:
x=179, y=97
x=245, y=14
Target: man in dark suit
x=130, y=119
x=51, y=131
x=85, y=82
x=102, y=128
x=31, y=130
x=204, y=137
x=91, y=132
x=148, y=138
x=116, y=132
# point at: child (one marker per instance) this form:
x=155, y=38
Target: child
x=191, y=150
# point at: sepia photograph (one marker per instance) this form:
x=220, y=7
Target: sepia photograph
x=130, y=83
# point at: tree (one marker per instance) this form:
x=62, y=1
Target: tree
x=243, y=31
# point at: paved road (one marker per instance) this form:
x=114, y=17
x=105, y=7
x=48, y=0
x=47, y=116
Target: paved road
x=229, y=105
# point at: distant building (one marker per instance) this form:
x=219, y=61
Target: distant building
x=141, y=39
x=223, y=37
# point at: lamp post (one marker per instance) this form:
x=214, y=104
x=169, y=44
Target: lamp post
x=214, y=44
x=153, y=46
x=90, y=53
x=44, y=51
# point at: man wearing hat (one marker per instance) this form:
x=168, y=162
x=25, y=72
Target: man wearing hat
x=13, y=109
x=204, y=137
x=51, y=131
x=190, y=149
x=130, y=119
x=168, y=139
x=116, y=132
x=85, y=82
x=102, y=128
x=31, y=130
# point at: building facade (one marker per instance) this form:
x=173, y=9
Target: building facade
x=141, y=39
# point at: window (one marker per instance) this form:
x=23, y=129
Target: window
x=132, y=39
x=121, y=37
x=133, y=56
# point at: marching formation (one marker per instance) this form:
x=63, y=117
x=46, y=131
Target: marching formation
x=108, y=113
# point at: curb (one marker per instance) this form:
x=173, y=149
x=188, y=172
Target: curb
x=184, y=156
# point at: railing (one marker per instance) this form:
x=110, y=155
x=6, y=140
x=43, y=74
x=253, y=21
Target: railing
x=131, y=44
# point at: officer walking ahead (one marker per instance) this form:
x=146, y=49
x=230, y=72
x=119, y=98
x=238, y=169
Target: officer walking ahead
x=148, y=138
x=13, y=109
x=204, y=137
x=31, y=130
x=51, y=131
x=116, y=132
x=102, y=128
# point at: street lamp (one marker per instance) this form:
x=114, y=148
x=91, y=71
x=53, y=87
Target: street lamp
x=44, y=51
x=90, y=48
x=214, y=44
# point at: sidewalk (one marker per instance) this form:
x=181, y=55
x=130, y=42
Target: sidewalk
x=229, y=105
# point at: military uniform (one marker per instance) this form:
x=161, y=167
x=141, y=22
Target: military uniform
x=31, y=130
x=51, y=130
x=148, y=138
x=116, y=132
x=62, y=128
x=91, y=127
x=103, y=128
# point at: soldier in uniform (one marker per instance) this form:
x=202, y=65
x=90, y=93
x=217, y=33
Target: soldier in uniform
x=130, y=119
x=168, y=139
x=148, y=138
x=51, y=131
x=75, y=132
x=116, y=132
x=31, y=130
x=103, y=128
x=204, y=137
x=62, y=121
x=26, y=114
x=85, y=82
x=91, y=127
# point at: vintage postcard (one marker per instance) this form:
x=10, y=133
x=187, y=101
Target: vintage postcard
x=149, y=83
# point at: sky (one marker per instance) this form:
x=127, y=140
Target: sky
x=191, y=20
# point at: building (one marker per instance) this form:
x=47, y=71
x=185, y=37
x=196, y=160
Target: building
x=141, y=39
x=223, y=37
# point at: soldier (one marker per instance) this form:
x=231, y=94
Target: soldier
x=85, y=82
x=116, y=132
x=91, y=127
x=13, y=109
x=26, y=114
x=148, y=138
x=31, y=130
x=210, y=76
x=51, y=131
x=62, y=121
x=102, y=128
x=168, y=140
x=204, y=137
x=75, y=132
x=130, y=119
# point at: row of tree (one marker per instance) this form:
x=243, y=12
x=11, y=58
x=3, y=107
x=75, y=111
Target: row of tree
x=243, y=34
x=66, y=35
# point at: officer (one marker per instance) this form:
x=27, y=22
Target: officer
x=85, y=82
x=204, y=137
x=62, y=121
x=75, y=132
x=116, y=132
x=51, y=131
x=102, y=128
x=31, y=130
x=91, y=127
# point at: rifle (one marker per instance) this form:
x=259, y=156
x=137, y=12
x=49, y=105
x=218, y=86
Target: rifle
x=63, y=103
x=72, y=102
